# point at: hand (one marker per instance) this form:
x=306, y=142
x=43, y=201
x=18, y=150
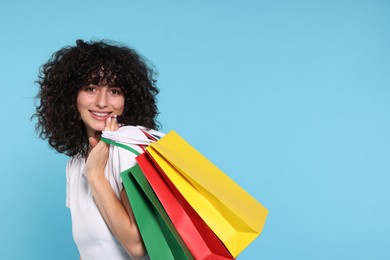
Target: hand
x=98, y=155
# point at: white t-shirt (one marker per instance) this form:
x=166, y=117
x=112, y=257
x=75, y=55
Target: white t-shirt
x=90, y=232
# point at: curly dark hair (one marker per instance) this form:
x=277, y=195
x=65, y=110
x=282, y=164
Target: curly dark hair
x=103, y=63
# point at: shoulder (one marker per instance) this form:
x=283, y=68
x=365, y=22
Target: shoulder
x=75, y=160
x=74, y=163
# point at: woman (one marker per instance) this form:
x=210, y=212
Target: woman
x=84, y=90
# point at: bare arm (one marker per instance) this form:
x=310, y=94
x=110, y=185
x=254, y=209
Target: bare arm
x=117, y=213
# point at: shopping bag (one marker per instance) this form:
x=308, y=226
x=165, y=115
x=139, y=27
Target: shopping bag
x=199, y=238
x=233, y=215
x=157, y=231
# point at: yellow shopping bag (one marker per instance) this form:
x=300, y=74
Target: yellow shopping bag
x=234, y=216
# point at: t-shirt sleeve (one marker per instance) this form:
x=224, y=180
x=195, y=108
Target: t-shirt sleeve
x=67, y=184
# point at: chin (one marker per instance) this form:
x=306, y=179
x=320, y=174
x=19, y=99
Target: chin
x=98, y=128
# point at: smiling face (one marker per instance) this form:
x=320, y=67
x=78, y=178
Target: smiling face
x=96, y=103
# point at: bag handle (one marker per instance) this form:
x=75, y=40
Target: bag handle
x=108, y=141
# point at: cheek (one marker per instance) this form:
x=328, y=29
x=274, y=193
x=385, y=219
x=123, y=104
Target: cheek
x=82, y=101
x=79, y=103
x=120, y=105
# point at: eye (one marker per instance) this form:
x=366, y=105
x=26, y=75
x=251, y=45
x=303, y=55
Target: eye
x=116, y=91
x=89, y=88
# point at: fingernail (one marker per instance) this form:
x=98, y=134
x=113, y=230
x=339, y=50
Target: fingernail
x=109, y=119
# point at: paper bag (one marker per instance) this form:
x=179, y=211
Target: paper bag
x=234, y=216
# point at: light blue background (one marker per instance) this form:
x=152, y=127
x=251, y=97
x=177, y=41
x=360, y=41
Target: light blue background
x=289, y=98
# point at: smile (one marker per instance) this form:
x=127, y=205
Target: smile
x=100, y=115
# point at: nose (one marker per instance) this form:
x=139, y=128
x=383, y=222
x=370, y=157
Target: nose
x=102, y=100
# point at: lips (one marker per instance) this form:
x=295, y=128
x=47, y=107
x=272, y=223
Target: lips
x=100, y=115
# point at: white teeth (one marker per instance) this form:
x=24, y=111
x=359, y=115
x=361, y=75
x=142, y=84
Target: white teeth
x=100, y=114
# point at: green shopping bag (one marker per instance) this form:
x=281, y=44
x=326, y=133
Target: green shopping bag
x=160, y=237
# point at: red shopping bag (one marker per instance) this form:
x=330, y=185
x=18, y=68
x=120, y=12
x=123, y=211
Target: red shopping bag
x=199, y=238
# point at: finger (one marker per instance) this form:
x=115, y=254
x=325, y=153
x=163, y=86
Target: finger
x=108, y=123
x=102, y=144
x=114, y=123
x=92, y=141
